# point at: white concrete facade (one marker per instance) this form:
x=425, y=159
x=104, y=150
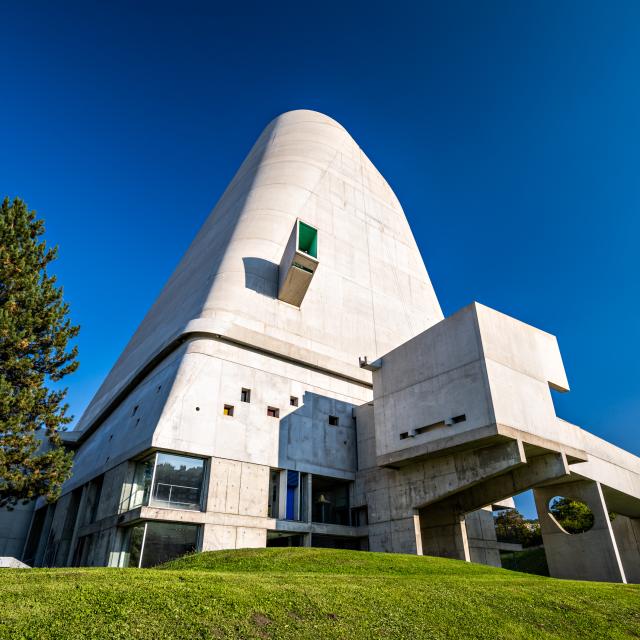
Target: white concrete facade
x=238, y=414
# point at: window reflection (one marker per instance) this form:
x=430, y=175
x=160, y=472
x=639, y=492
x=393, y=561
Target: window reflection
x=330, y=500
x=168, y=480
x=153, y=543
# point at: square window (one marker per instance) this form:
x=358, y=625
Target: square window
x=293, y=401
x=334, y=421
x=273, y=412
x=228, y=410
x=245, y=395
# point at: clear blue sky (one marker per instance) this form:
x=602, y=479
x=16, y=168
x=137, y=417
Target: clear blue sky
x=510, y=131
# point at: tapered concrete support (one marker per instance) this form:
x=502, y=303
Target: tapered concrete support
x=481, y=535
x=627, y=534
x=592, y=555
x=444, y=533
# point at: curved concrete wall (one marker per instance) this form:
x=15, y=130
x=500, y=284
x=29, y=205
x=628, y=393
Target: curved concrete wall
x=371, y=291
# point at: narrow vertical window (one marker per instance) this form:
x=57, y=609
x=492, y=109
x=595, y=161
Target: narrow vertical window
x=293, y=401
x=245, y=395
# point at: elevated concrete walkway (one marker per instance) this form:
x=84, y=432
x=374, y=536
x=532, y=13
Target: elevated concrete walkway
x=464, y=418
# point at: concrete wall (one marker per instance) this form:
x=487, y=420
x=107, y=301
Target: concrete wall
x=456, y=415
x=371, y=290
x=14, y=527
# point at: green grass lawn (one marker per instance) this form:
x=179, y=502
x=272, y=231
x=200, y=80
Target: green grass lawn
x=311, y=593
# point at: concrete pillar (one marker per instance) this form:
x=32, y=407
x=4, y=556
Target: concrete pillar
x=481, y=534
x=591, y=555
x=627, y=534
x=444, y=533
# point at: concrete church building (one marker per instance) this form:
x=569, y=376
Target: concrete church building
x=295, y=383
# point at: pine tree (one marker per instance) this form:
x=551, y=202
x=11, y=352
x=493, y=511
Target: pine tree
x=34, y=352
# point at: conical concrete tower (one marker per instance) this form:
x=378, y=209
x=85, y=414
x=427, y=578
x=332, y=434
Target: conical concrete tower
x=238, y=415
x=306, y=263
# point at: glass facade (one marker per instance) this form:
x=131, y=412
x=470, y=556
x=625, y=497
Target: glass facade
x=152, y=543
x=168, y=480
x=330, y=500
x=303, y=497
x=274, y=494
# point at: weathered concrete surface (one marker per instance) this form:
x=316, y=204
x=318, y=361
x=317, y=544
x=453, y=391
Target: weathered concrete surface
x=448, y=418
x=591, y=555
x=370, y=293
x=626, y=532
x=14, y=527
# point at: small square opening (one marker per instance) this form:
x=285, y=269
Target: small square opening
x=293, y=401
x=273, y=412
x=245, y=395
x=334, y=421
x=228, y=410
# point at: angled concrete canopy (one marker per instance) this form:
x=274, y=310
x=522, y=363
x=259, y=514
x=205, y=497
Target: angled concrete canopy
x=295, y=383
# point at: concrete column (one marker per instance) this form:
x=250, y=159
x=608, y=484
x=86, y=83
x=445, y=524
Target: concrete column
x=444, y=533
x=481, y=533
x=307, y=516
x=79, y=521
x=282, y=495
x=627, y=534
x=591, y=555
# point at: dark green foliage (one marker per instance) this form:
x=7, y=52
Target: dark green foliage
x=511, y=526
x=572, y=515
x=300, y=594
x=528, y=561
x=34, y=336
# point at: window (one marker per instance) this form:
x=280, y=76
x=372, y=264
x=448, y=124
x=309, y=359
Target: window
x=334, y=421
x=293, y=401
x=274, y=494
x=94, y=494
x=295, y=499
x=245, y=395
x=228, y=410
x=152, y=543
x=168, y=480
x=307, y=239
x=297, y=496
x=273, y=412
x=330, y=500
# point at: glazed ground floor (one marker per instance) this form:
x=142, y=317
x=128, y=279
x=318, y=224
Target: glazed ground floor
x=165, y=504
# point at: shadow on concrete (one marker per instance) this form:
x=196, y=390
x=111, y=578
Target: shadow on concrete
x=261, y=276
x=308, y=442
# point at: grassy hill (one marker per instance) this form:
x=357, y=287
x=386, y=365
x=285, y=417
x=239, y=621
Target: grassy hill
x=311, y=593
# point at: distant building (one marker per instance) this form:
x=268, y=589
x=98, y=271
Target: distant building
x=295, y=383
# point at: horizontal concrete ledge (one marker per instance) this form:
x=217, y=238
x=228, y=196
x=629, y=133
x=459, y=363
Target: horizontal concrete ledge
x=537, y=445
x=319, y=528
x=479, y=438
x=230, y=334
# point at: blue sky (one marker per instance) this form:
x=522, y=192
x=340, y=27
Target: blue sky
x=510, y=131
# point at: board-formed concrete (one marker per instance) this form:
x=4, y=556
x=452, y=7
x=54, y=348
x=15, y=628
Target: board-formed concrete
x=295, y=383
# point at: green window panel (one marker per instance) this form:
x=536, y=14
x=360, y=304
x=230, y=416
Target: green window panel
x=308, y=239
